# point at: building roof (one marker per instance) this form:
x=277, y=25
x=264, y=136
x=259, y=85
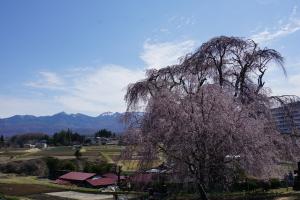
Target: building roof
x=114, y=176
x=77, y=176
x=101, y=181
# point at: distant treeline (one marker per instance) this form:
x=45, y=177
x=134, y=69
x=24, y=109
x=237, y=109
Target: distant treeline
x=61, y=138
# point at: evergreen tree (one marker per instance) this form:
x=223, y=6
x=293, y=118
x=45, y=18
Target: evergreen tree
x=104, y=133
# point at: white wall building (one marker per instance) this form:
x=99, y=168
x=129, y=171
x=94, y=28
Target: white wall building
x=287, y=120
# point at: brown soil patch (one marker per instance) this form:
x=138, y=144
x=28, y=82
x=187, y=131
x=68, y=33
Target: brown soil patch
x=25, y=189
x=46, y=197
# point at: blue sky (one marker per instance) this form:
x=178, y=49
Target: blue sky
x=78, y=56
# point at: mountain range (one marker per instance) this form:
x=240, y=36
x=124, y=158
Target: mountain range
x=80, y=123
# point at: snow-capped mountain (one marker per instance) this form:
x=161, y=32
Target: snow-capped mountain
x=81, y=123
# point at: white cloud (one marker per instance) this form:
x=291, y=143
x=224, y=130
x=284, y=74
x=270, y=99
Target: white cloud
x=94, y=90
x=288, y=86
x=48, y=80
x=281, y=85
x=158, y=55
x=100, y=90
x=182, y=21
x=283, y=29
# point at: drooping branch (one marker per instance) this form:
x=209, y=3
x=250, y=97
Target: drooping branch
x=239, y=64
x=210, y=110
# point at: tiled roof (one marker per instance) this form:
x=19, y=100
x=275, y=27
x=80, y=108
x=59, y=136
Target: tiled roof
x=77, y=176
x=101, y=181
x=112, y=175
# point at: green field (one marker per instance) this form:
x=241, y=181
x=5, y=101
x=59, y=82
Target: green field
x=108, y=153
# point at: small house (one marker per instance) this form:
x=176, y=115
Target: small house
x=41, y=145
x=75, y=178
x=99, y=182
x=88, y=179
x=30, y=146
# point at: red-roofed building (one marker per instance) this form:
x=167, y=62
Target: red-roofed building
x=101, y=182
x=113, y=176
x=77, y=178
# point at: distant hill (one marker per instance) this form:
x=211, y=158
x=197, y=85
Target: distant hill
x=80, y=123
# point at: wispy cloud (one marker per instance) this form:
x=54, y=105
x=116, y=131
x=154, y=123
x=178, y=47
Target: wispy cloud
x=47, y=80
x=93, y=90
x=182, y=21
x=288, y=86
x=283, y=29
x=158, y=55
x=282, y=85
x=100, y=90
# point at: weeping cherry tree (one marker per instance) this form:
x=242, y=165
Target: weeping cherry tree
x=210, y=115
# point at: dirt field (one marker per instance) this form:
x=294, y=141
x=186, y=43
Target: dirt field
x=45, y=197
x=25, y=189
x=107, y=152
x=81, y=196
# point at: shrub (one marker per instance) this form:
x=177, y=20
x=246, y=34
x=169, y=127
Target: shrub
x=67, y=165
x=35, y=167
x=275, y=183
x=77, y=154
x=52, y=164
x=251, y=184
x=98, y=168
x=265, y=185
